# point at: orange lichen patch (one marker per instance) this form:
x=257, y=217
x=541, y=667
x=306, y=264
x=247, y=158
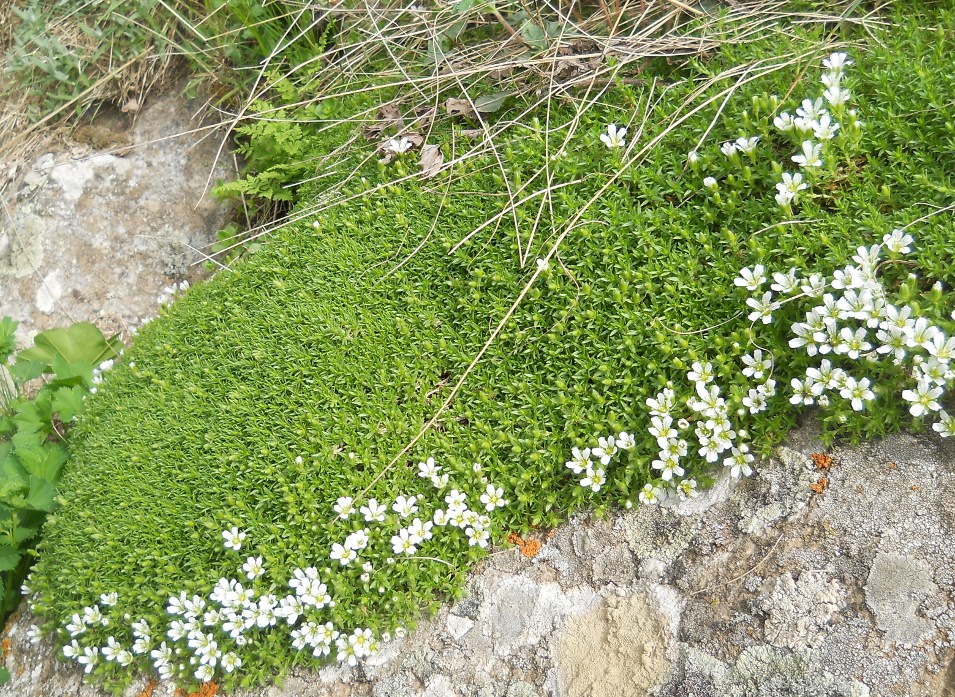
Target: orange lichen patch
x=5, y=646
x=914, y=487
x=10, y=620
x=823, y=461
x=819, y=486
x=208, y=689
x=529, y=548
x=148, y=690
x=891, y=466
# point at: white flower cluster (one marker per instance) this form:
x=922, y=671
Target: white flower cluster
x=813, y=119
x=711, y=424
x=853, y=319
x=582, y=461
x=201, y=629
x=169, y=293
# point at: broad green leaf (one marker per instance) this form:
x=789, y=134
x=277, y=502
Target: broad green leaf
x=79, y=343
x=72, y=373
x=41, y=494
x=4, y=676
x=490, y=103
x=28, y=438
x=24, y=370
x=9, y=558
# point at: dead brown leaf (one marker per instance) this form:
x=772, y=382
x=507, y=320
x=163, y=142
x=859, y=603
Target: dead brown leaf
x=460, y=107
x=431, y=161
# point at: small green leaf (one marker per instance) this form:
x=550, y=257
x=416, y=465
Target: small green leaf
x=489, y=103
x=534, y=35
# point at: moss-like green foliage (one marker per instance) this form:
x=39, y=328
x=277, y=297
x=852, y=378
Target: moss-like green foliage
x=324, y=346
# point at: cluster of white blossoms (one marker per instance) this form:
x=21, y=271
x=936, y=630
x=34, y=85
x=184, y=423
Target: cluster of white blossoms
x=814, y=126
x=582, y=461
x=204, y=634
x=169, y=293
x=852, y=322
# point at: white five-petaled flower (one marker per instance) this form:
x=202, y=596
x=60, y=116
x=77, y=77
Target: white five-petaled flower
x=686, y=489
x=836, y=61
x=233, y=539
x=89, y=659
x=751, y=279
x=739, y=462
x=756, y=364
x=825, y=128
x=605, y=450
x=580, y=460
x=614, y=137
x=402, y=543
x=112, y=649
x=358, y=540
x=650, y=494
x=837, y=95
x=399, y=145
x=625, y=441
x=108, y=599
x=253, y=567
x=456, y=499
x=428, y=469
x=344, y=506
x=728, y=148
x=230, y=662
x=374, y=512
x=923, y=398
x=701, y=373
x=595, y=478
x=784, y=122
x=493, y=498
x=898, y=242
x=343, y=554
x=763, y=308
x=405, y=506
x=747, y=145
x=945, y=427
x=810, y=155
x=857, y=392
x=811, y=110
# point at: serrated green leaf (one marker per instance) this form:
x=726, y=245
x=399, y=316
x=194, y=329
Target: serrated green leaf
x=43, y=461
x=23, y=533
x=40, y=496
x=68, y=402
x=9, y=558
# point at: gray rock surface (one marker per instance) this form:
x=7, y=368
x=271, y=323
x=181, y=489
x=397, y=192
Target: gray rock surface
x=95, y=231
x=757, y=588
